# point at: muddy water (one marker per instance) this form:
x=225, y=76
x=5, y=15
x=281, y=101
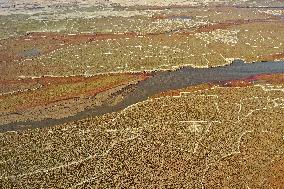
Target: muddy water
x=163, y=81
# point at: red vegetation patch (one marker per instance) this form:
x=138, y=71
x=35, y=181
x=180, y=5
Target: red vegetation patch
x=278, y=56
x=13, y=48
x=18, y=48
x=271, y=78
x=249, y=81
x=227, y=24
x=56, y=89
x=237, y=83
x=48, y=80
x=268, y=78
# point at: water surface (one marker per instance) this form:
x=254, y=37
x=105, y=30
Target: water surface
x=160, y=82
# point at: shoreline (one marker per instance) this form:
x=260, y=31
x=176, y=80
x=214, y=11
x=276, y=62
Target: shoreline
x=160, y=81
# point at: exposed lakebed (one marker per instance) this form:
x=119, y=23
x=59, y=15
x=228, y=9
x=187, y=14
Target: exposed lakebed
x=160, y=82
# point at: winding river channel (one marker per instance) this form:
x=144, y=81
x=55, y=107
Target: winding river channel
x=163, y=81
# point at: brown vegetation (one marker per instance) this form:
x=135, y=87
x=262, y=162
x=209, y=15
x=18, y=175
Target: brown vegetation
x=218, y=138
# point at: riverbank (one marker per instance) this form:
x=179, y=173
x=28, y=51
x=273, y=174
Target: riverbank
x=161, y=81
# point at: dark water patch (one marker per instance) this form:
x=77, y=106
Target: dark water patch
x=30, y=53
x=163, y=81
x=177, y=17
